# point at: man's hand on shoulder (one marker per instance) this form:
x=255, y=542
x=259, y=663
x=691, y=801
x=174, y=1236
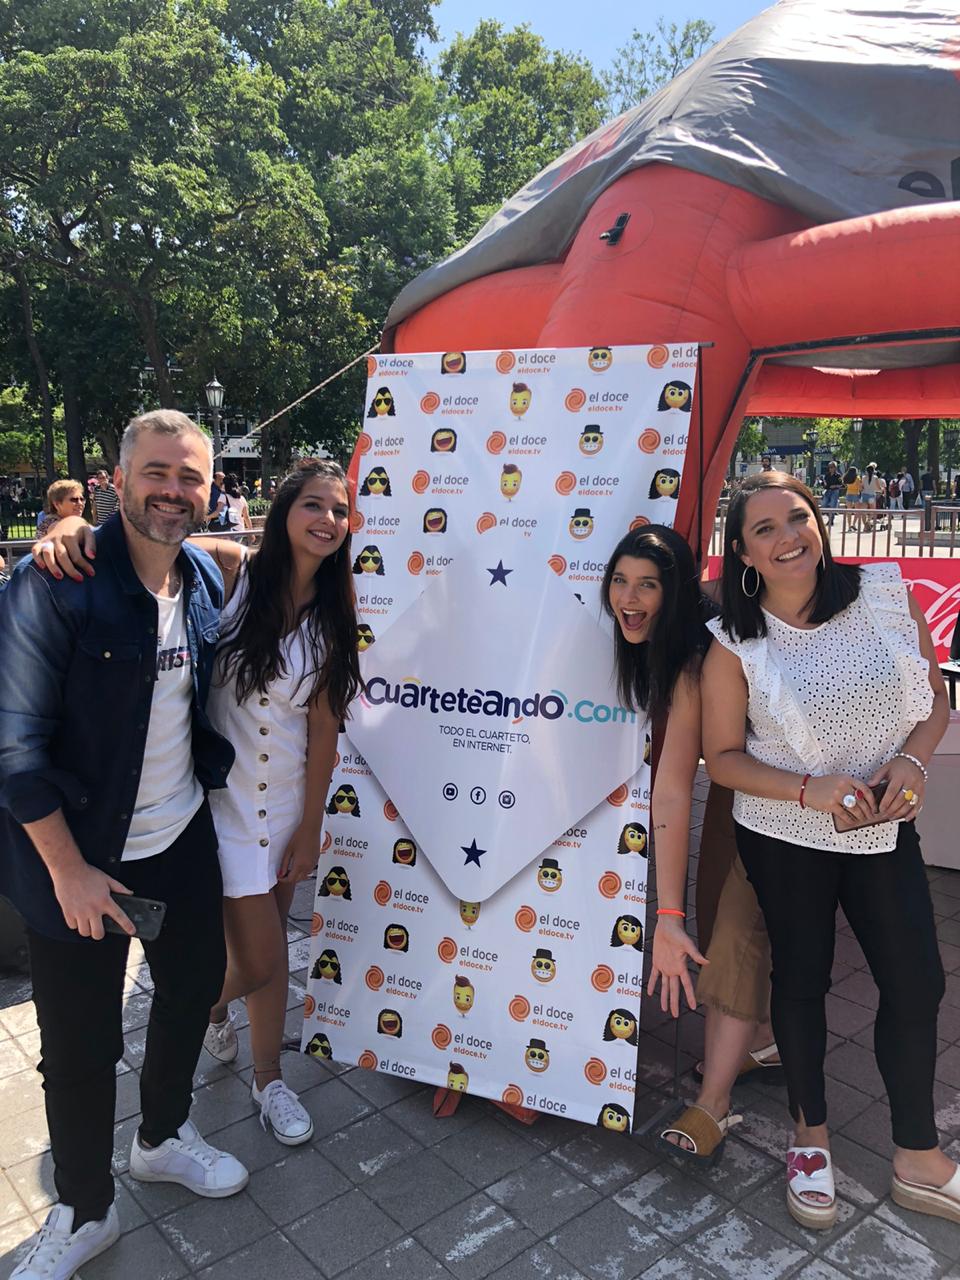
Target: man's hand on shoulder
x=67, y=550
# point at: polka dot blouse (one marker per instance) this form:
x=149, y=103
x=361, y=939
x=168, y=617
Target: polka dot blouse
x=841, y=698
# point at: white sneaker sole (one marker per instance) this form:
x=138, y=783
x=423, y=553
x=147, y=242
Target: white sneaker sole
x=293, y=1142
x=211, y=1193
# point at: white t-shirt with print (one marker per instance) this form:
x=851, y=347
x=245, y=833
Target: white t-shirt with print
x=169, y=794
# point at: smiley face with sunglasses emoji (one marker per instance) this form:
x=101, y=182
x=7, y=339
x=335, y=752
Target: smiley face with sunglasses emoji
x=382, y=406
x=335, y=884
x=369, y=561
x=344, y=801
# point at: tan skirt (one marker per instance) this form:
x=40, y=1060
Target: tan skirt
x=730, y=925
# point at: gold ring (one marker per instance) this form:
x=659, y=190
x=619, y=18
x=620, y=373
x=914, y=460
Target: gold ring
x=909, y=796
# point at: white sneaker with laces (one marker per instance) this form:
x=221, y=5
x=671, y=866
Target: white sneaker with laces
x=280, y=1106
x=189, y=1161
x=220, y=1040
x=59, y=1250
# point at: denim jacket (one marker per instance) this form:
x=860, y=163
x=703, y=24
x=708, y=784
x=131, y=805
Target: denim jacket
x=77, y=669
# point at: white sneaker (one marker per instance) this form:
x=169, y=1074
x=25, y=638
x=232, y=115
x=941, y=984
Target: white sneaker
x=191, y=1162
x=290, y=1122
x=59, y=1250
x=220, y=1040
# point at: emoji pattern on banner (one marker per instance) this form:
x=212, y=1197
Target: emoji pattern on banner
x=531, y=995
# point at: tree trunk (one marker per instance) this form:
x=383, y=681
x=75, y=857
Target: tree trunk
x=933, y=451
x=911, y=436
x=43, y=376
x=280, y=445
x=73, y=426
x=145, y=310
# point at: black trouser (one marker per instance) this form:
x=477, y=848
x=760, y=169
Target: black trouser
x=78, y=992
x=886, y=900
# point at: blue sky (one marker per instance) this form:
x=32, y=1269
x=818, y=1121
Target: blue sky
x=596, y=30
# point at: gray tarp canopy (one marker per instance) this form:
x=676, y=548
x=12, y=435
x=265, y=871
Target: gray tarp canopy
x=832, y=110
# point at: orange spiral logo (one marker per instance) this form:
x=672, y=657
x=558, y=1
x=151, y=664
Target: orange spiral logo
x=309, y=1006
x=487, y=521
x=595, y=1070
x=441, y=1036
x=575, y=400
x=336, y=759
x=619, y=796
x=565, y=482
x=390, y=811
x=326, y=842
x=383, y=893
x=420, y=482
x=496, y=442
x=447, y=950
x=512, y=1095
x=657, y=357
x=649, y=441
x=519, y=1008
x=364, y=444
x=371, y=366
x=430, y=403
x=609, y=884
x=602, y=978
x=505, y=361
x=638, y=522
x=316, y=924
x=368, y=1060
x=374, y=977
x=415, y=563
x=356, y=521
x=525, y=918
x=558, y=564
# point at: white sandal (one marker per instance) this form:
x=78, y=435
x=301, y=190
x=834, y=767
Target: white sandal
x=939, y=1202
x=809, y=1169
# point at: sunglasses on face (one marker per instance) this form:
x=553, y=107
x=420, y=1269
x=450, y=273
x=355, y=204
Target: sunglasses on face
x=549, y=875
x=343, y=798
x=335, y=879
x=580, y=523
x=332, y=965
x=366, y=558
x=383, y=400
x=537, y=1054
x=543, y=964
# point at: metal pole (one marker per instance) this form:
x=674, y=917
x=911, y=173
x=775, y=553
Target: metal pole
x=217, y=443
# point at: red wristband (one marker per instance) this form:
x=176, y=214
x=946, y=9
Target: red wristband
x=671, y=911
x=803, y=787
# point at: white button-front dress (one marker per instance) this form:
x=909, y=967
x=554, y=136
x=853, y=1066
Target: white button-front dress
x=262, y=805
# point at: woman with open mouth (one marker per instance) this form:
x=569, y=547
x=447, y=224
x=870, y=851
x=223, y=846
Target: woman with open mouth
x=650, y=589
x=824, y=808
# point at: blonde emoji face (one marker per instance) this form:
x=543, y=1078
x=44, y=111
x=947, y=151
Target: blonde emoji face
x=469, y=913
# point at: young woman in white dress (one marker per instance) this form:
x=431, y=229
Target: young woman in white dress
x=286, y=673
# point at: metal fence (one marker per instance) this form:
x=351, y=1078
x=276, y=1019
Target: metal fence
x=928, y=530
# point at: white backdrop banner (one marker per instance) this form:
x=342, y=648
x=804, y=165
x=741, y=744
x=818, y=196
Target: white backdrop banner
x=481, y=894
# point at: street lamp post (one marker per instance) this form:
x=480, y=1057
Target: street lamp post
x=856, y=426
x=214, y=391
x=810, y=439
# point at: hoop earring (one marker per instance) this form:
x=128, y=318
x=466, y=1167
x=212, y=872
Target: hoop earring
x=743, y=581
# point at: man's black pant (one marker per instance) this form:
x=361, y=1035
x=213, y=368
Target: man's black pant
x=78, y=992
x=886, y=900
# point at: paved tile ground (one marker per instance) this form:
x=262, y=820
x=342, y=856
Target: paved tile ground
x=385, y=1190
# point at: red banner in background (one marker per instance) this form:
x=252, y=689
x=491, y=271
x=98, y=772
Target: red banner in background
x=934, y=582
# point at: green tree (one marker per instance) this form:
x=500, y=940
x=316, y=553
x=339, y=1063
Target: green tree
x=651, y=59
x=511, y=107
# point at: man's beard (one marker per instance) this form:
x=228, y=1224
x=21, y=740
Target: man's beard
x=156, y=528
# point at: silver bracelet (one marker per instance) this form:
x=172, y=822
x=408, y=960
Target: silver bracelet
x=905, y=755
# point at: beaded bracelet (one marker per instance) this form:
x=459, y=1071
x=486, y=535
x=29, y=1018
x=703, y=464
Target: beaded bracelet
x=803, y=787
x=905, y=755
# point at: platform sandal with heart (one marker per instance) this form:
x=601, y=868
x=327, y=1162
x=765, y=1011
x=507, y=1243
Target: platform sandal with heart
x=809, y=1173
x=702, y=1131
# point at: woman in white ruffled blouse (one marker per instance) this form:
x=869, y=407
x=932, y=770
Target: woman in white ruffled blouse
x=800, y=635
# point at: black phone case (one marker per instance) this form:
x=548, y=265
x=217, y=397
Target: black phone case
x=146, y=915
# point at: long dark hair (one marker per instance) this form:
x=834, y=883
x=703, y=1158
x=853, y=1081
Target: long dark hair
x=252, y=651
x=646, y=673
x=838, y=585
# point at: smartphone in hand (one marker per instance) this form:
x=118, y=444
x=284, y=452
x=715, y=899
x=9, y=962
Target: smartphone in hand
x=842, y=825
x=145, y=914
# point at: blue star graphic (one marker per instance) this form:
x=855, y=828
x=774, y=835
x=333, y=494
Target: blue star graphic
x=473, y=853
x=499, y=574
